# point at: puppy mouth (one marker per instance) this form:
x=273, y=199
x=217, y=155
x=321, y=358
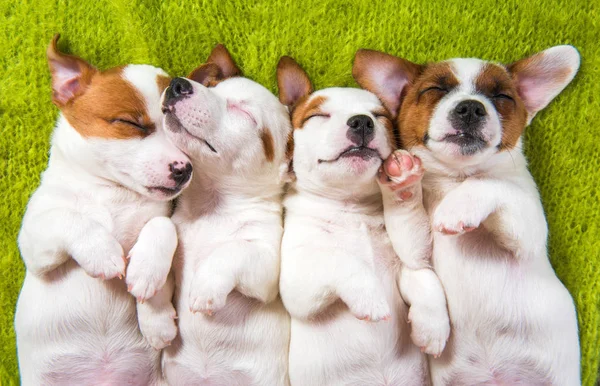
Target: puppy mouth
x=469, y=143
x=363, y=152
x=174, y=125
x=164, y=190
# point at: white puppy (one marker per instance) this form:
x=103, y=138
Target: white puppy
x=110, y=175
x=341, y=280
x=233, y=327
x=513, y=321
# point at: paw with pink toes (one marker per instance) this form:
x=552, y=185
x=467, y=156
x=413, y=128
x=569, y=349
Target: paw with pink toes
x=401, y=172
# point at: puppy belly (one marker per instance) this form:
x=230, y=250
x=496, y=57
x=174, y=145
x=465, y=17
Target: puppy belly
x=76, y=330
x=338, y=349
x=245, y=343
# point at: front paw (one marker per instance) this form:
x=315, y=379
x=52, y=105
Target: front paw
x=430, y=329
x=401, y=173
x=159, y=329
x=366, y=304
x=147, y=271
x=104, y=258
x=458, y=215
x=208, y=293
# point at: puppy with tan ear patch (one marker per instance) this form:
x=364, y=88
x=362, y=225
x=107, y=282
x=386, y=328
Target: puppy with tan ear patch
x=103, y=199
x=513, y=322
x=233, y=327
x=343, y=285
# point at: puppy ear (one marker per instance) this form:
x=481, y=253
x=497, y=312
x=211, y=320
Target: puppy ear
x=541, y=77
x=292, y=80
x=70, y=74
x=384, y=75
x=222, y=58
x=206, y=74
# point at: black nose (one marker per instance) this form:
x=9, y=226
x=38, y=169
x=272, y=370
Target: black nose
x=179, y=87
x=180, y=172
x=361, y=130
x=469, y=114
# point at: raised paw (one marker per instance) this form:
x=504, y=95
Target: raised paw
x=147, y=271
x=401, y=172
x=103, y=259
x=430, y=329
x=159, y=329
x=457, y=215
x=208, y=294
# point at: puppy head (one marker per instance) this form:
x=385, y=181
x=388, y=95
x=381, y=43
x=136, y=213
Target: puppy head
x=222, y=119
x=340, y=135
x=465, y=111
x=117, y=124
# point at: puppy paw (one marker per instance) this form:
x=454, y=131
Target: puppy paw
x=208, y=293
x=147, y=271
x=457, y=215
x=401, y=173
x=104, y=258
x=159, y=329
x=368, y=305
x=430, y=329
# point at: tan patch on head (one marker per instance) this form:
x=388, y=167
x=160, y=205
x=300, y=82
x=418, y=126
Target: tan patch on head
x=267, y=141
x=305, y=108
x=110, y=107
x=421, y=100
x=162, y=82
x=494, y=82
x=385, y=118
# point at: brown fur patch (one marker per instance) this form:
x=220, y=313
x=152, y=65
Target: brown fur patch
x=418, y=104
x=107, y=102
x=492, y=81
x=384, y=117
x=267, y=140
x=305, y=108
x=163, y=82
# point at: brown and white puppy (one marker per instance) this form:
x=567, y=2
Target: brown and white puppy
x=104, y=196
x=233, y=327
x=513, y=322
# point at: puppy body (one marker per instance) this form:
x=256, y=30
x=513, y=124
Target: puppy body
x=75, y=321
x=513, y=322
x=233, y=327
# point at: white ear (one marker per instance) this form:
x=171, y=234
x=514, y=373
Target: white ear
x=384, y=75
x=541, y=77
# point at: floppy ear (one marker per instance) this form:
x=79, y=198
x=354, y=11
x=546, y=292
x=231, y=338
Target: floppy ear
x=70, y=74
x=222, y=58
x=541, y=77
x=206, y=74
x=292, y=80
x=384, y=75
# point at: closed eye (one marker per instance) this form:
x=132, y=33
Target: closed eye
x=130, y=123
x=503, y=96
x=433, y=88
x=323, y=115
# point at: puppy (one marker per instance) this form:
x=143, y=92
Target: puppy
x=513, y=321
x=340, y=278
x=105, y=195
x=233, y=327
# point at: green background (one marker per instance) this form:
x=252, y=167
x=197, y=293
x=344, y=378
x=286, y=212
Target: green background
x=562, y=144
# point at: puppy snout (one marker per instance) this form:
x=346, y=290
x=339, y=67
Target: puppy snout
x=468, y=115
x=361, y=129
x=180, y=172
x=179, y=87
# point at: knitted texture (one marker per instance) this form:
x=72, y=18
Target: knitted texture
x=561, y=144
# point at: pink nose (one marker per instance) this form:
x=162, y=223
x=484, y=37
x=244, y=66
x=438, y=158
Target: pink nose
x=180, y=172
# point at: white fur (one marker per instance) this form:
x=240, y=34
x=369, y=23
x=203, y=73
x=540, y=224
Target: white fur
x=74, y=328
x=233, y=327
x=338, y=265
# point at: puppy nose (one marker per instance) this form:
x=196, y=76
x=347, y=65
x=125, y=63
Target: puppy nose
x=179, y=87
x=180, y=172
x=361, y=129
x=470, y=111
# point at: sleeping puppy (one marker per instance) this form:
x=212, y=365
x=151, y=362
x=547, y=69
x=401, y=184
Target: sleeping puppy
x=340, y=278
x=104, y=196
x=513, y=321
x=233, y=327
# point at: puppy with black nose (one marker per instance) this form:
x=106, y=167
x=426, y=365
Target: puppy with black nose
x=233, y=328
x=513, y=322
x=341, y=281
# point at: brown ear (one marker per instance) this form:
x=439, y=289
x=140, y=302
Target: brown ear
x=222, y=58
x=206, y=74
x=292, y=80
x=384, y=75
x=70, y=74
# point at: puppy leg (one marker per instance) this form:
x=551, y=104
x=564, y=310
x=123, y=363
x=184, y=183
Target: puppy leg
x=50, y=239
x=151, y=257
x=156, y=316
x=251, y=267
x=428, y=313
